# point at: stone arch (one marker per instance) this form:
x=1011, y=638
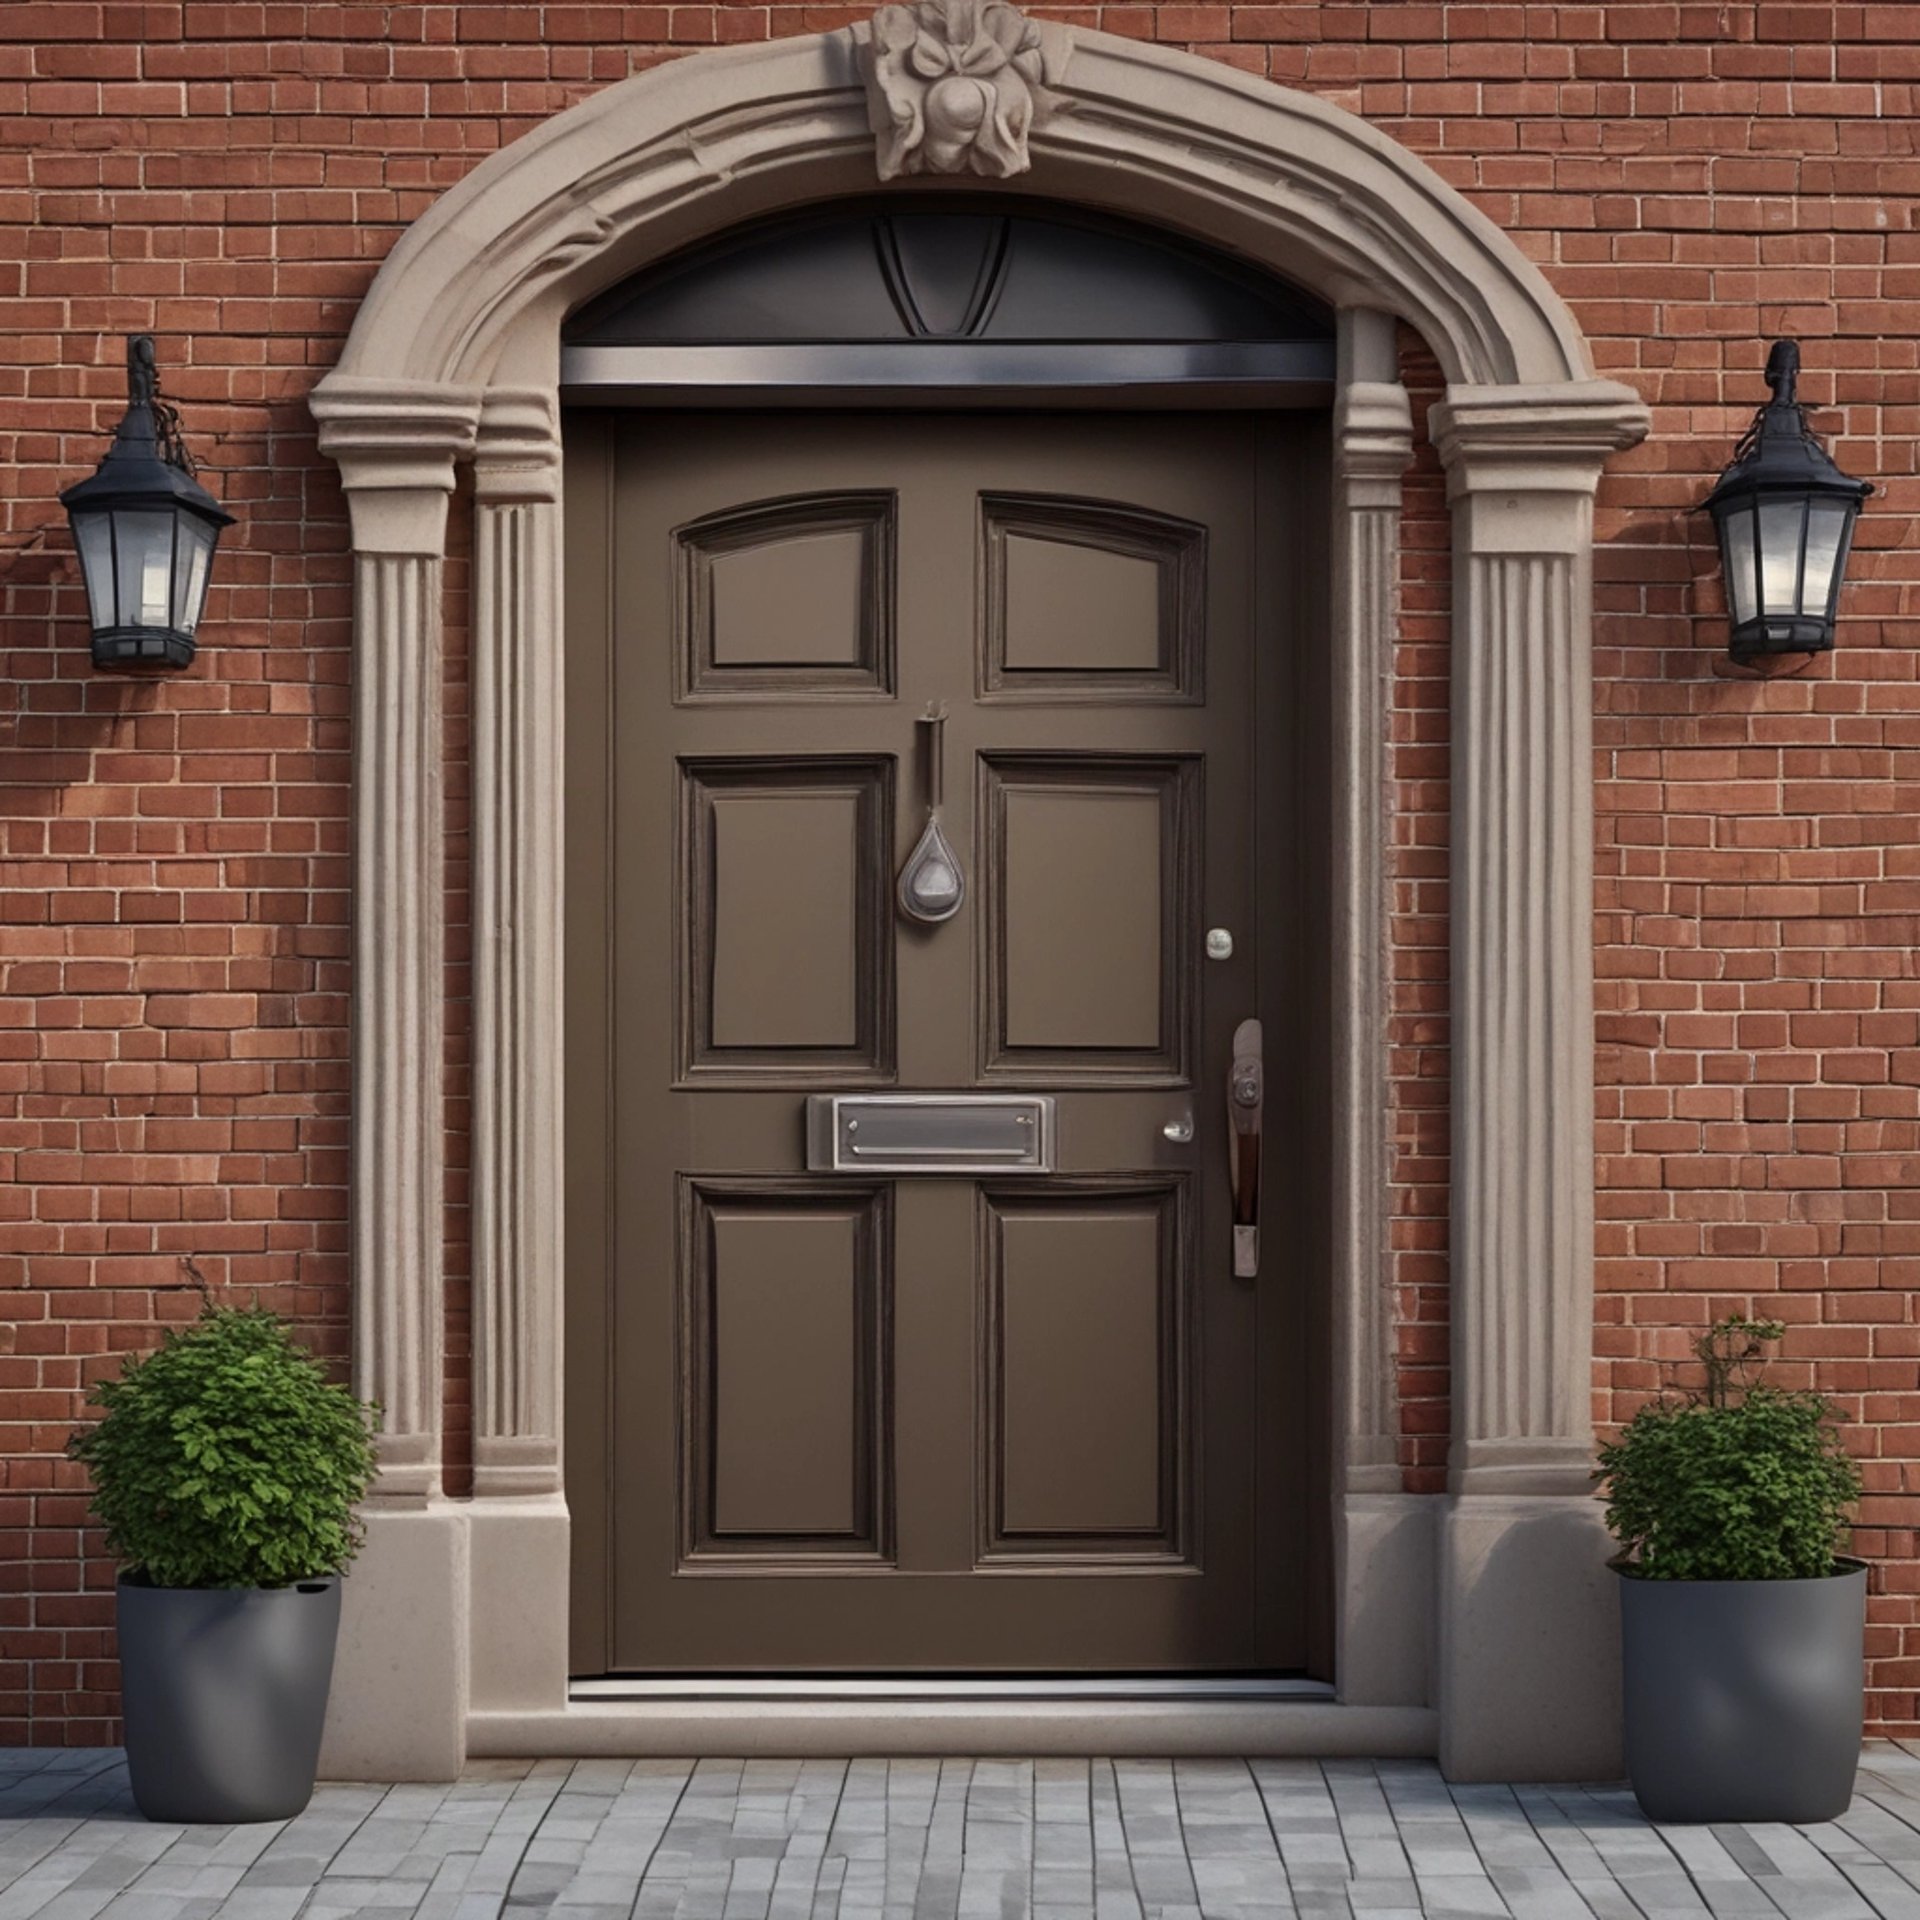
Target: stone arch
x=454, y=357
x=472, y=294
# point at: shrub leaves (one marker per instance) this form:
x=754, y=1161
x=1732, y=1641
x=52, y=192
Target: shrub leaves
x=1723, y=1488
x=227, y=1459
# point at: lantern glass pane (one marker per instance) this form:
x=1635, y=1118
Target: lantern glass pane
x=1782, y=525
x=93, y=535
x=1826, y=532
x=190, y=576
x=1736, y=530
x=145, y=542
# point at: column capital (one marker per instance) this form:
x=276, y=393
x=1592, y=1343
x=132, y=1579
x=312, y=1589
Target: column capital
x=1373, y=440
x=395, y=442
x=516, y=453
x=1532, y=440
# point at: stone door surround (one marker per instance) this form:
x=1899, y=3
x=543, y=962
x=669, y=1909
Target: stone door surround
x=1479, y=1625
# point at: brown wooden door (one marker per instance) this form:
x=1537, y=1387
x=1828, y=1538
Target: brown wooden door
x=931, y=1423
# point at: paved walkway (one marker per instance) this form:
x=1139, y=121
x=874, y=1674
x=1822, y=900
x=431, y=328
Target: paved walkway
x=1055, y=1839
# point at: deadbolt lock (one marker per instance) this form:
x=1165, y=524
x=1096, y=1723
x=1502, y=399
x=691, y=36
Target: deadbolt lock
x=1219, y=944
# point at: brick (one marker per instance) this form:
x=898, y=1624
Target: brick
x=174, y=857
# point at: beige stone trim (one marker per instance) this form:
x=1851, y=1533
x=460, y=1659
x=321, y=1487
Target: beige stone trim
x=468, y=308
x=1528, y=1618
x=1528, y=1662
x=932, y=66
x=396, y=448
x=396, y=443
x=1372, y=448
x=1383, y=1539
x=698, y=144
x=1521, y=470
x=518, y=800
x=819, y=1729
x=397, y=1709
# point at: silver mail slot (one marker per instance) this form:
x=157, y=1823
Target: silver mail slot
x=930, y=1133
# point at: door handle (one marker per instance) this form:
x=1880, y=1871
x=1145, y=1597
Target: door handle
x=1246, y=1102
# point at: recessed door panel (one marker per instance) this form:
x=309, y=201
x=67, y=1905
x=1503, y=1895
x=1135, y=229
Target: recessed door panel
x=791, y=596
x=785, y=1324
x=895, y=1389
x=1091, y=601
x=1089, y=897
x=787, y=947
x=1084, y=1370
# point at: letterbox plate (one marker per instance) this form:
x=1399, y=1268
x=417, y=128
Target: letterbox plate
x=967, y=1133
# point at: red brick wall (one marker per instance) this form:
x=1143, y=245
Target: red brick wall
x=1694, y=178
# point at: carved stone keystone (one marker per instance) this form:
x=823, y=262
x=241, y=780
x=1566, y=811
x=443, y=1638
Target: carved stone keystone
x=956, y=86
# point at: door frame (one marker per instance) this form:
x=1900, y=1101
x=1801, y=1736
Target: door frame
x=1478, y=1623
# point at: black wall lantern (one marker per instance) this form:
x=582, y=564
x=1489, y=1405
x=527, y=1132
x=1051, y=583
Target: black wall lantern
x=1784, y=513
x=146, y=530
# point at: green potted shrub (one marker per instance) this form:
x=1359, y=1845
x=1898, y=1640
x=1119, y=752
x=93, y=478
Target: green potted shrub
x=1742, y=1625
x=226, y=1471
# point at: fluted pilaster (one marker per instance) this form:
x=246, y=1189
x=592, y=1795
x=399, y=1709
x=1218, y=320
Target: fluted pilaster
x=1521, y=472
x=396, y=449
x=1372, y=446
x=398, y=944
x=517, y=907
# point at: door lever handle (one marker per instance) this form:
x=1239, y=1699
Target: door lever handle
x=1246, y=1102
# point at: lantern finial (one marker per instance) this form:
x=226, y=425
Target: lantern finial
x=143, y=378
x=1783, y=371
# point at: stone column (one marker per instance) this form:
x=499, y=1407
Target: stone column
x=1382, y=1537
x=398, y=1708
x=518, y=1522
x=1372, y=448
x=1528, y=1620
x=518, y=800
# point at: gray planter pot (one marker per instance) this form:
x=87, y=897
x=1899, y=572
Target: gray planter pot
x=1743, y=1697
x=224, y=1690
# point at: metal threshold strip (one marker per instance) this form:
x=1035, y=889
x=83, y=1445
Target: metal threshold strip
x=920, y=1688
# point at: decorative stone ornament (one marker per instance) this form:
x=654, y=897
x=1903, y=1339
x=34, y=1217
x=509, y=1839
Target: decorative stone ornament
x=956, y=86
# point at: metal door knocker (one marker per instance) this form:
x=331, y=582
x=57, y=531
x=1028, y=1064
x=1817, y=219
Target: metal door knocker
x=932, y=886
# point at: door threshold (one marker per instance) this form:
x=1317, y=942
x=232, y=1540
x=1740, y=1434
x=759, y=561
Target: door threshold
x=744, y=1727
x=915, y=1687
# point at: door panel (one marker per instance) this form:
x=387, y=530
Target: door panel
x=790, y=597
x=1088, y=599
x=1088, y=898
x=932, y=1422
x=1085, y=1344
x=786, y=929
x=785, y=1321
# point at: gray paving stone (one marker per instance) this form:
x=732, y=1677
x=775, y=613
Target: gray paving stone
x=922, y=1839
